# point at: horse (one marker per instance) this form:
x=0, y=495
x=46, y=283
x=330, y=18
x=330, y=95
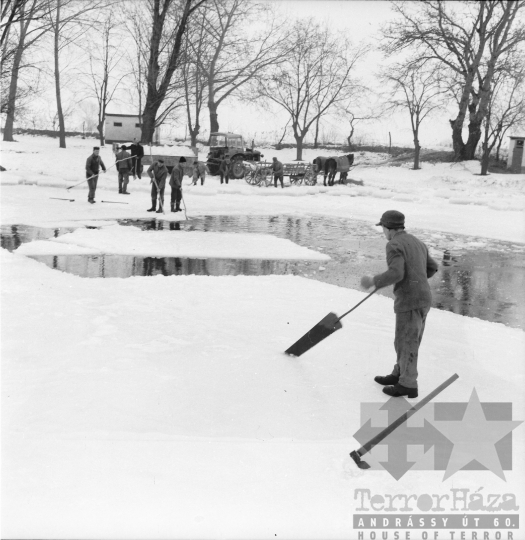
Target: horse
x=340, y=164
x=318, y=163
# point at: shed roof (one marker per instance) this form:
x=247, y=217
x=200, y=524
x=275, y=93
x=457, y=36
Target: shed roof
x=516, y=136
x=125, y=115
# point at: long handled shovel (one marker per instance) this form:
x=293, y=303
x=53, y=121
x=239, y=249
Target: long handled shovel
x=357, y=454
x=321, y=330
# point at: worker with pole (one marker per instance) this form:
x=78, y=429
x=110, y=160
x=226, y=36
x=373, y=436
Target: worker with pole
x=158, y=172
x=93, y=165
x=176, y=177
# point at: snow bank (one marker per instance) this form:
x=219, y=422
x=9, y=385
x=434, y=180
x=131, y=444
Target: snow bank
x=119, y=240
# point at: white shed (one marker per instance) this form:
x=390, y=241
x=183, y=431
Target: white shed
x=125, y=127
x=516, y=157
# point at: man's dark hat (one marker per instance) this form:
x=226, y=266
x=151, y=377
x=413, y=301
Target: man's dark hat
x=161, y=160
x=392, y=219
x=96, y=147
x=182, y=160
x=123, y=147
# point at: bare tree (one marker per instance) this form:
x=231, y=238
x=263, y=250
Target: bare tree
x=169, y=20
x=195, y=83
x=240, y=48
x=359, y=107
x=315, y=76
x=468, y=38
x=70, y=20
x=16, y=43
x=106, y=64
x=506, y=110
x=418, y=90
x=16, y=11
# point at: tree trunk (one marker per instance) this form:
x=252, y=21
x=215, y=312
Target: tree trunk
x=417, y=149
x=148, y=124
x=214, y=117
x=194, y=132
x=13, y=87
x=485, y=163
x=100, y=129
x=316, y=134
x=299, y=140
x=474, y=135
x=457, y=139
x=349, y=138
x=61, y=125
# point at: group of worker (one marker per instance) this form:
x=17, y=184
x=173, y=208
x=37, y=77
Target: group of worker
x=131, y=164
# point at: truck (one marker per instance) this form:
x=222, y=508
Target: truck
x=230, y=145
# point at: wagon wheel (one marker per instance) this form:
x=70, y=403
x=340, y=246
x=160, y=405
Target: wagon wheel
x=295, y=180
x=250, y=175
x=310, y=177
x=265, y=178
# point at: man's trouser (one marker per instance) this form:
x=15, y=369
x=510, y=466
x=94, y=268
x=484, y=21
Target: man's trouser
x=92, y=183
x=176, y=195
x=196, y=177
x=137, y=167
x=278, y=176
x=410, y=326
x=155, y=192
x=123, y=179
x=224, y=176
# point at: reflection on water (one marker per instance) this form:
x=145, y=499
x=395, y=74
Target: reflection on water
x=487, y=282
x=13, y=236
x=118, y=266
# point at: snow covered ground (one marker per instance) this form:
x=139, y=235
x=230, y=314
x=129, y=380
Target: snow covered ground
x=164, y=406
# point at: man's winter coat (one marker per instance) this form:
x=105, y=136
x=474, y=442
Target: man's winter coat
x=409, y=267
x=176, y=176
x=277, y=167
x=223, y=166
x=93, y=165
x=123, y=161
x=159, y=172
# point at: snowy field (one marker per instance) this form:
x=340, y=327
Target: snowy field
x=164, y=407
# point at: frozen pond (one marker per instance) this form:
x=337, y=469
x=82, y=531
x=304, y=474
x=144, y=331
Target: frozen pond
x=477, y=277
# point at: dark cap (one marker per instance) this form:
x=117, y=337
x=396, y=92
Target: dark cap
x=160, y=160
x=96, y=147
x=123, y=147
x=392, y=219
x=182, y=160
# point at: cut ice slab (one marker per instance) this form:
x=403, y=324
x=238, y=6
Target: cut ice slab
x=119, y=240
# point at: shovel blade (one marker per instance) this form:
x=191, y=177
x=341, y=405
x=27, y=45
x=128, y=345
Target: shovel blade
x=320, y=331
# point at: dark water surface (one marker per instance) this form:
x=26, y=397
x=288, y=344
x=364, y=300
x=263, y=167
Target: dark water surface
x=477, y=277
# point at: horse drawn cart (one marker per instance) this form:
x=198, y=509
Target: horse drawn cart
x=261, y=174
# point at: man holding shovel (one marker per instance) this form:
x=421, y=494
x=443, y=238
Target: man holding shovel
x=176, y=177
x=409, y=267
x=158, y=172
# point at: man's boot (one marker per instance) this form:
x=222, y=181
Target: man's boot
x=153, y=206
x=177, y=208
x=173, y=207
x=399, y=391
x=387, y=380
